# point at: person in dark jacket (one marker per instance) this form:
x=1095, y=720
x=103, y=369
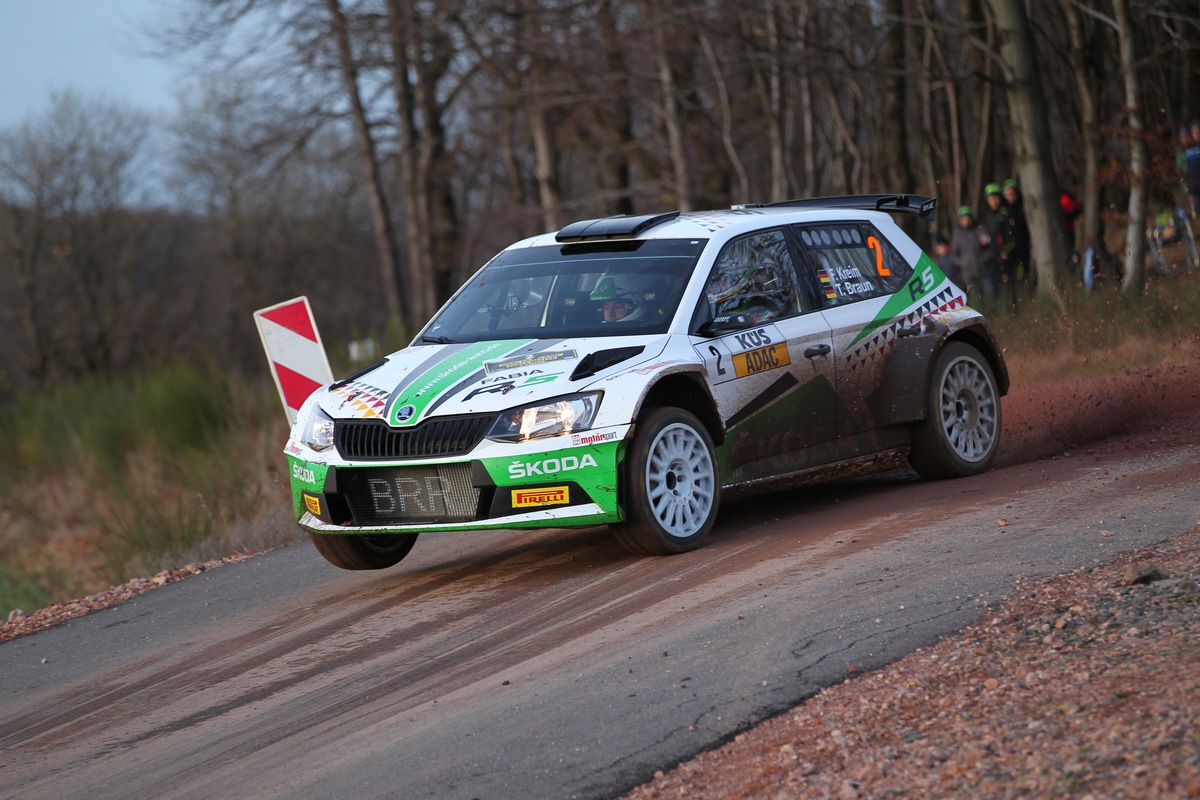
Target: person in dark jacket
x=971, y=251
x=999, y=224
x=1193, y=169
x=1022, y=255
x=945, y=261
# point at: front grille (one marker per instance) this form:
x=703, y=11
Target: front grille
x=410, y=495
x=374, y=439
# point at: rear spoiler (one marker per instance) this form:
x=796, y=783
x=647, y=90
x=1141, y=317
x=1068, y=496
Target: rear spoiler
x=924, y=207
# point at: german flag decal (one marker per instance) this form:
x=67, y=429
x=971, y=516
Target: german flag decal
x=827, y=285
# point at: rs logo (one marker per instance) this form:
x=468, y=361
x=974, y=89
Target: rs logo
x=920, y=284
x=752, y=339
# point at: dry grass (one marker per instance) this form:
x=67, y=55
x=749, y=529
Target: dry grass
x=132, y=483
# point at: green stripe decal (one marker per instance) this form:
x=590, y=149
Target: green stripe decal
x=917, y=289
x=422, y=392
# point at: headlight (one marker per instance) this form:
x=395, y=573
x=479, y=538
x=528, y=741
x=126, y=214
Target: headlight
x=550, y=418
x=317, y=431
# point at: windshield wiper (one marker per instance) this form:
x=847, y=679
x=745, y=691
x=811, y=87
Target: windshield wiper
x=437, y=339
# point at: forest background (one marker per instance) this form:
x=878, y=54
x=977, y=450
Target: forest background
x=371, y=154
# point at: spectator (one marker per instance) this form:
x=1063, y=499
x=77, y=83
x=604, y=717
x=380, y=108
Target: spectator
x=945, y=261
x=1181, y=154
x=1071, y=210
x=999, y=224
x=1098, y=263
x=972, y=254
x=1193, y=170
x=1023, y=266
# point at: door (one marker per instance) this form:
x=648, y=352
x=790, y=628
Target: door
x=768, y=355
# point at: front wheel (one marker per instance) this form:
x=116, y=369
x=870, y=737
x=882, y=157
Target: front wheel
x=961, y=430
x=350, y=551
x=672, y=487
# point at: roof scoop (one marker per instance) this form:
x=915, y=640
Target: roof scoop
x=623, y=226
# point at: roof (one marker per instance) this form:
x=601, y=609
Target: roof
x=677, y=224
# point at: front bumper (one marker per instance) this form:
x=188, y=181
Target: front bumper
x=560, y=482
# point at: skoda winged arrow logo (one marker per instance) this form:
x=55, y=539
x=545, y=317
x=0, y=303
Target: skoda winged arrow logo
x=404, y=413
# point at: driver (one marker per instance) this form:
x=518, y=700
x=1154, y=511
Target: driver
x=614, y=304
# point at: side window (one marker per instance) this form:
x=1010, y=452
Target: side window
x=852, y=262
x=754, y=278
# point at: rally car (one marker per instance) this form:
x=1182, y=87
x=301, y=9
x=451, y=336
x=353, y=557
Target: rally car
x=631, y=371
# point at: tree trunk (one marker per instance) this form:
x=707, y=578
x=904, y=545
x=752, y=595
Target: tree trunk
x=1135, y=242
x=673, y=122
x=1031, y=146
x=1089, y=127
x=978, y=104
x=25, y=247
x=543, y=166
x=742, y=191
x=385, y=240
x=416, y=210
x=807, y=123
x=948, y=189
x=898, y=172
x=777, y=111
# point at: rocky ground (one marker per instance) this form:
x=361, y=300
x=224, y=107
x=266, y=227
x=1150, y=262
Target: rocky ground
x=1084, y=685
x=21, y=622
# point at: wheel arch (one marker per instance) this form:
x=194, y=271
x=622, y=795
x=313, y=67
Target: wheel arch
x=980, y=338
x=686, y=390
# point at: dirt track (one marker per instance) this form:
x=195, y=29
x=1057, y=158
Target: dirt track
x=1081, y=685
x=553, y=664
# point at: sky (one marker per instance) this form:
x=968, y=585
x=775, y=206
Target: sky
x=88, y=45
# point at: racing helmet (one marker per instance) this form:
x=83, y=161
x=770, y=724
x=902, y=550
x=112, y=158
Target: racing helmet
x=607, y=289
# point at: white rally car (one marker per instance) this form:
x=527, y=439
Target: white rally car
x=633, y=370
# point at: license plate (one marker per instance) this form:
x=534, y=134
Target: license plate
x=439, y=493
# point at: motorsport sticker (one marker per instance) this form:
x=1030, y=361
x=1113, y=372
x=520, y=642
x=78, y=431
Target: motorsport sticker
x=523, y=362
x=592, y=438
x=548, y=496
x=313, y=504
x=761, y=360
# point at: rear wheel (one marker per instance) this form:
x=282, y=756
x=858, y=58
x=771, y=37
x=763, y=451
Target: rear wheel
x=377, y=551
x=961, y=430
x=673, y=489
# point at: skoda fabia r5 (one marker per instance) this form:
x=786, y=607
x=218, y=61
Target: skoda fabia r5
x=632, y=371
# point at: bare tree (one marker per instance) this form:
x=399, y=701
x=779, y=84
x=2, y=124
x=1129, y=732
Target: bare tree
x=67, y=180
x=385, y=237
x=1031, y=145
x=1135, y=244
x=1077, y=54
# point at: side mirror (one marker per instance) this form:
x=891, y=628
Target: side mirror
x=718, y=326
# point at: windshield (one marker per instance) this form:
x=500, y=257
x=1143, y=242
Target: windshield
x=589, y=289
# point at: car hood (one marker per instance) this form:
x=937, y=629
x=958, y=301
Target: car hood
x=420, y=382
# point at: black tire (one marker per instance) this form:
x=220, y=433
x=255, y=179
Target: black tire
x=349, y=551
x=960, y=434
x=673, y=489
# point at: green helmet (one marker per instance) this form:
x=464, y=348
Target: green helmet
x=991, y=188
x=965, y=211
x=606, y=289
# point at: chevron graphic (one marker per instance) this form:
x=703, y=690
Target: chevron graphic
x=294, y=352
